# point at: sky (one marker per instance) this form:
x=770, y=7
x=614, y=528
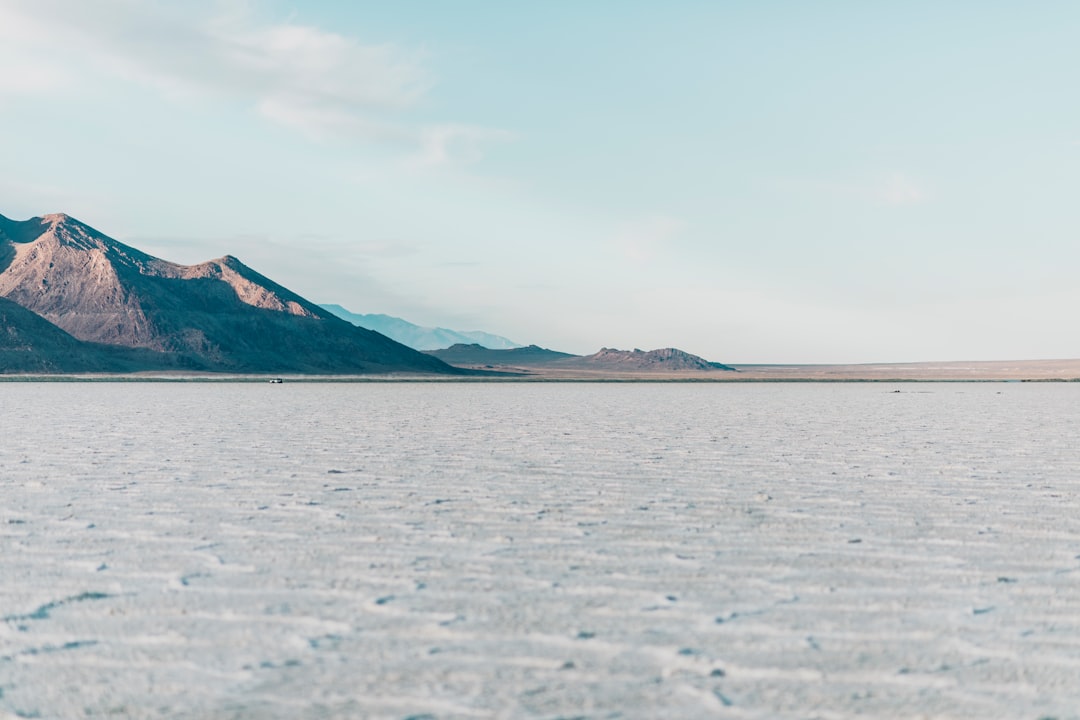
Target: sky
x=753, y=182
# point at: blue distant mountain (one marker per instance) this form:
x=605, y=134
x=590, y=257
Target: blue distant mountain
x=417, y=337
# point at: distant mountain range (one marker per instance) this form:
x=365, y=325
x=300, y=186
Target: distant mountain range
x=81, y=301
x=606, y=360
x=75, y=300
x=417, y=337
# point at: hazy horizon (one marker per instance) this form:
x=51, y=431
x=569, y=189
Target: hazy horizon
x=836, y=183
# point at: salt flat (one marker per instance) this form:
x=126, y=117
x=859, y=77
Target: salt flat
x=539, y=550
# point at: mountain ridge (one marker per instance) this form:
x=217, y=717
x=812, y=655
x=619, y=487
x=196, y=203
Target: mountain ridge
x=70, y=290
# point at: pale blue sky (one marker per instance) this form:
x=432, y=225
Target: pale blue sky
x=748, y=181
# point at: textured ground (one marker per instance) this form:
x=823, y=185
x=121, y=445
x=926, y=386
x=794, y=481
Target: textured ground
x=539, y=551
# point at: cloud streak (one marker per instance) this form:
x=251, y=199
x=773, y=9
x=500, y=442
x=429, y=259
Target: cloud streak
x=320, y=83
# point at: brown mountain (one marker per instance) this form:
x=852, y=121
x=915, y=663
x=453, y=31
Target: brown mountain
x=219, y=315
x=606, y=360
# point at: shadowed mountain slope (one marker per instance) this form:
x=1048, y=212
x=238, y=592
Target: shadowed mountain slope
x=218, y=314
x=31, y=344
x=418, y=337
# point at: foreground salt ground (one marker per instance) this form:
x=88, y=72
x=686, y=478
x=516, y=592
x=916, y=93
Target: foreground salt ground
x=539, y=551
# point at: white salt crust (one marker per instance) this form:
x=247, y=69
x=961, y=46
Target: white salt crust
x=539, y=551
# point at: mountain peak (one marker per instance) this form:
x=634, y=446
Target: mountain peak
x=24, y=231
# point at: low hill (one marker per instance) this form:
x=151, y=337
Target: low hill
x=220, y=314
x=607, y=360
x=416, y=336
x=475, y=355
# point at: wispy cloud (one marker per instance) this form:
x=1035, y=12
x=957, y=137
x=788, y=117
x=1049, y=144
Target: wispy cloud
x=23, y=76
x=441, y=143
x=315, y=81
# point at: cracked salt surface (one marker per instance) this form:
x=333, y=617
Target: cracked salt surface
x=539, y=551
